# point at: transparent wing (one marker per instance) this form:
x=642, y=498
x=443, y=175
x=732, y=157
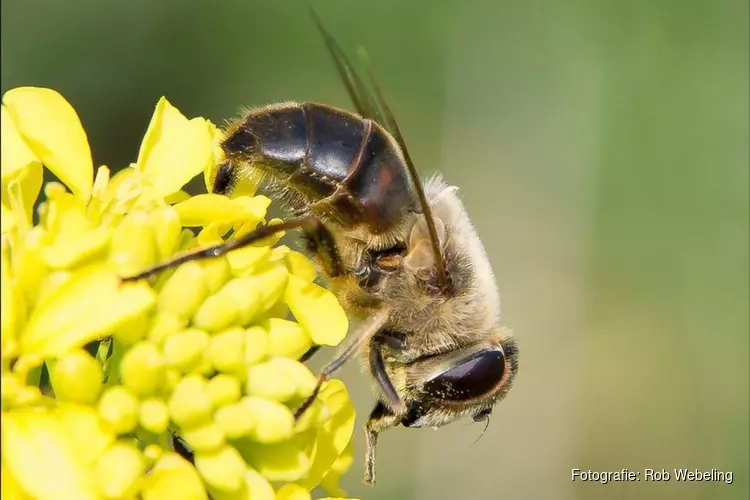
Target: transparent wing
x=373, y=105
x=364, y=101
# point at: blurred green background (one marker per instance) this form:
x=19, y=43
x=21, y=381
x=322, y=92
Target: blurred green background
x=602, y=150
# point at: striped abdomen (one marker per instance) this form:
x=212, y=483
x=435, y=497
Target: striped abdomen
x=336, y=163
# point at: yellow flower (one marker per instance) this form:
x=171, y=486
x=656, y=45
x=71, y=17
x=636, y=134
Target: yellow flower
x=206, y=350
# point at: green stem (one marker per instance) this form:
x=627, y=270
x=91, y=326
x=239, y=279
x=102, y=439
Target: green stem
x=112, y=365
x=35, y=375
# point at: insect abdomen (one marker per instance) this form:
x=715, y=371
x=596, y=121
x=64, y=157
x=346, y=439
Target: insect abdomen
x=328, y=157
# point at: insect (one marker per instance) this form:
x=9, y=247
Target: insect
x=402, y=257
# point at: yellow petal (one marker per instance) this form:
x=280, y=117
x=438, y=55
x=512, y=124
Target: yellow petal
x=244, y=185
x=33, y=442
x=20, y=194
x=335, y=434
x=292, y=492
x=275, y=462
x=330, y=483
x=10, y=489
x=62, y=212
x=16, y=155
x=31, y=184
x=299, y=265
x=122, y=185
x=28, y=262
x=255, y=207
x=202, y=209
x=174, y=149
x=19, y=165
x=209, y=173
x=317, y=310
x=8, y=306
x=8, y=219
x=241, y=259
x=89, y=305
x=177, y=197
x=211, y=234
x=69, y=250
x=52, y=130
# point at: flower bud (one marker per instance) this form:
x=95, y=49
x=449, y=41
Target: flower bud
x=271, y=283
x=274, y=422
x=236, y=420
x=245, y=293
x=184, y=350
x=154, y=415
x=163, y=325
x=152, y=453
x=189, y=405
x=118, y=408
x=216, y=313
x=217, y=272
x=304, y=380
x=286, y=338
x=256, y=345
x=166, y=227
x=204, y=438
x=142, y=369
x=184, y=291
x=133, y=246
x=223, y=469
x=133, y=329
x=227, y=351
x=77, y=377
x=223, y=389
x=270, y=381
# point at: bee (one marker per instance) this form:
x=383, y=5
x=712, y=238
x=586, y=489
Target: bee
x=402, y=256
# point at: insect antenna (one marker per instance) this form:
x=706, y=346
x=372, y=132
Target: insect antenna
x=486, y=424
x=377, y=109
x=392, y=126
x=352, y=82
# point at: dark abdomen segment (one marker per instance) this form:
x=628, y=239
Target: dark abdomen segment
x=337, y=163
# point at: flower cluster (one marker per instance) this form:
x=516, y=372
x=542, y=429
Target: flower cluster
x=98, y=375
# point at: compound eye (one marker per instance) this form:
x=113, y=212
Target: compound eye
x=472, y=377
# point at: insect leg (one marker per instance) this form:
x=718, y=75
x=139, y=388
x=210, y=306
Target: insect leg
x=315, y=230
x=381, y=418
x=309, y=353
x=377, y=368
x=372, y=327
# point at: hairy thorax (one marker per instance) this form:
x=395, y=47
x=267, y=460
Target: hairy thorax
x=428, y=318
